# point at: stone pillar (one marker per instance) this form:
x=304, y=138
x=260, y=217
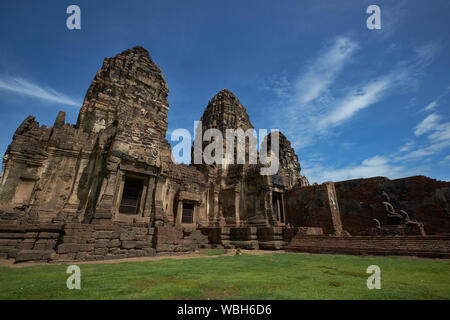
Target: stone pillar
x=271, y=219
x=215, y=207
x=119, y=192
x=159, y=217
x=237, y=197
x=334, y=209
x=179, y=212
x=148, y=197
x=104, y=208
x=283, y=209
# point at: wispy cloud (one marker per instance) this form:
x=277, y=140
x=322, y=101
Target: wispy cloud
x=314, y=103
x=27, y=88
x=407, y=146
x=427, y=124
x=431, y=106
x=304, y=98
x=323, y=70
x=426, y=52
x=370, y=167
x=438, y=139
x=445, y=161
x=421, y=153
x=356, y=101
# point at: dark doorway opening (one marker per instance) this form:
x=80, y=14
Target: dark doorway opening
x=188, y=213
x=131, y=195
x=277, y=203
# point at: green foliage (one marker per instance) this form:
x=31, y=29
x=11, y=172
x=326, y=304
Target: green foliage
x=278, y=276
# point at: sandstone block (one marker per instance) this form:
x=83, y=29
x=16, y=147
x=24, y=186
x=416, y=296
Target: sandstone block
x=128, y=235
x=101, y=243
x=103, y=234
x=71, y=247
x=45, y=244
x=149, y=252
x=48, y=235
x=33, y=255
x=127, y=244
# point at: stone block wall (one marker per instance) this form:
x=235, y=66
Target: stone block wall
x=271, y=238
x=244, y=237
x=169, y=239
x=29, y=242
x=101, y=242
x=75, y=242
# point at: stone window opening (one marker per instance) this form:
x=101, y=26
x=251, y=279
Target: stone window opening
x=187, y=214
x=131, y=195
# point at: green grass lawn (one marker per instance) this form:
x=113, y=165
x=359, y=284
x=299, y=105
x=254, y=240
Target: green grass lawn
x=278, y=276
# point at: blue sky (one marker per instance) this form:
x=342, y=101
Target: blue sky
x=354, y=102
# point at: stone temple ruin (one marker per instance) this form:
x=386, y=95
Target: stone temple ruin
x=107, y=187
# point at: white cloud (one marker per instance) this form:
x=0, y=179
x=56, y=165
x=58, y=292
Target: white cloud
x=438, y=137
x=427, y=124
x=420, y=153
x=426, y=52
x=441, y=133
x=324, y=69
x=310, y=105
x=370, y=167
x=30, y=89
x=407, y=146
x=445, y=161
x=431, y=106
x=352, y=103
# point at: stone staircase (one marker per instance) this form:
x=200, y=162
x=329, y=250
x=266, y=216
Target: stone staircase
x=422, y=246
x=194, y=239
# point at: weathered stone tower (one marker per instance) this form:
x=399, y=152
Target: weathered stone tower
x=113, y=165
x=238, y=194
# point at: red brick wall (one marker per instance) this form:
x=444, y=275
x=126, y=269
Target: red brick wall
x=422, y=198
x=360, y=201
x=309, y=207
x=430, y=246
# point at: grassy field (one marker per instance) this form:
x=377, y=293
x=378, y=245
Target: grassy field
x=277, y=276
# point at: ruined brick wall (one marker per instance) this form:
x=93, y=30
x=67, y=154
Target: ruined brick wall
x=430, y=246
x=424, y=199
x=360, y=202
x=309, y=207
